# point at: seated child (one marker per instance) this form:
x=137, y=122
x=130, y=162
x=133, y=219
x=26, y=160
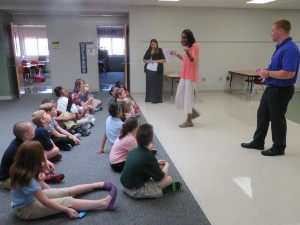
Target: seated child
x=124, y=144
x=23, y=132
x=113, y=125
x=84, y=120
x=112, y=97
x=30, y=201
x=61, y=138
x=62, y=100
x=64, y=119
x=119, y=84
x=67, y=119
x=120, y=94
x=142, y=175
x=42, y=120
x=85, y=95
x=77, y=85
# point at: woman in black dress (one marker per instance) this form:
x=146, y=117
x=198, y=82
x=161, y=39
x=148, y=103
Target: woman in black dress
x=153, y=57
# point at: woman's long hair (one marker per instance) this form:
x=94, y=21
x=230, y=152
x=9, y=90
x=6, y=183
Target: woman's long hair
x=28, y=163
x=156, y=50
x=128, y=126
x=190, y=36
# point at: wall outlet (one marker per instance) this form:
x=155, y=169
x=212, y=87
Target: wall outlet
x=227, y=78
x=203, y=79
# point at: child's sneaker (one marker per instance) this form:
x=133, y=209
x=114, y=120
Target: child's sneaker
x=54, y=177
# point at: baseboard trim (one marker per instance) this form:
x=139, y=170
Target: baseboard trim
x=8, y=97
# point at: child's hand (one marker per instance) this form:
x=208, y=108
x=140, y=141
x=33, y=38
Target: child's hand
x=100, y=151
x=72, y=213
x=162, y=162
x=89, y=101
x=42, y=176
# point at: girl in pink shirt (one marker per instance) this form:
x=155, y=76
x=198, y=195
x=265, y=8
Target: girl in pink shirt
x=123, y=144
x=189, y=77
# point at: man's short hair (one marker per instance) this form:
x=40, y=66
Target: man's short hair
x=21, y=128
x=37, y=116
x=284, y=25
x=144, y=134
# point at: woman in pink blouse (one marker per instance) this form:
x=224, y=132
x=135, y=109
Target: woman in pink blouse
x=189, y=77
x=123, y=144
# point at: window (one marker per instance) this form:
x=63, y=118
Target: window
x=36, y=46
x=114, y=46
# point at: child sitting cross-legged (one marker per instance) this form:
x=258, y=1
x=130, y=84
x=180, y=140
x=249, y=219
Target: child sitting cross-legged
x=144, y=176
x=42, y=120
x=61, y=138
x=124, y=144
x=121, y=95
x=30, y=201
x=113, y=125
x=88, y=99
x=84, y=120
x=23, y=132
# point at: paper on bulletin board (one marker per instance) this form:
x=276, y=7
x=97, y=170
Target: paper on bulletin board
x=55, y=45
x=90, y=48
x=90, y=51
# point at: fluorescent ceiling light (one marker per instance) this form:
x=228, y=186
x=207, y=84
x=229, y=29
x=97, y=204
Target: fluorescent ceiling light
x=260, y=1
x=168, y=0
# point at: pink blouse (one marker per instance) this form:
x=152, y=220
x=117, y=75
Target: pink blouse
x=190, y=70
x=121, y=148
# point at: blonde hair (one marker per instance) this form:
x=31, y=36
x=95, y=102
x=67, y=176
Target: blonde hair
x=37, y=116
x=47, y=106
x=85, y=84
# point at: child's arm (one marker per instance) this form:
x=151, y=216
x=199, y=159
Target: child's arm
x=42, y=198
x=63, y=133
x=71, y=116
x=82, y=113
x=101, y=150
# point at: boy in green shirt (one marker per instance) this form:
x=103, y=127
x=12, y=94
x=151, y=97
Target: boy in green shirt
x=143, y=175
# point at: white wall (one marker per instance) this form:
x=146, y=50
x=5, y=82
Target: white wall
x=228, y=39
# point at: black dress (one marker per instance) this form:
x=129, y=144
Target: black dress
x=154, y=79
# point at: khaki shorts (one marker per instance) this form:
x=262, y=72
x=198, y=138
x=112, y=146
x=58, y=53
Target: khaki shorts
x=150, y=189
x=69, y=123
x=37, y=210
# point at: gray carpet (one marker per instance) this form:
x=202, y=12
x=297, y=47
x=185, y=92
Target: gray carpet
x=82, y=165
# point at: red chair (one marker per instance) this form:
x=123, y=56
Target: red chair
x=26, y=72
x=34, y=67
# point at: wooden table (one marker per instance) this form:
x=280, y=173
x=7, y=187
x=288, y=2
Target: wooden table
x=174, y=77
x=251, y=75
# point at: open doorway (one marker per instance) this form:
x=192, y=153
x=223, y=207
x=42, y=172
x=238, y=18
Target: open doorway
x=112, y=56
x=32, y=58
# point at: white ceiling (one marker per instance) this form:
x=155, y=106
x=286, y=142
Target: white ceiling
x=89, y=6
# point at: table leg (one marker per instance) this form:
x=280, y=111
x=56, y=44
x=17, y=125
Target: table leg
x=172, y=87
x=230, y=79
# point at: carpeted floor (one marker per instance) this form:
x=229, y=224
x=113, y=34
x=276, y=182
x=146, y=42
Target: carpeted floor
x=82, y=165
x=294, y=108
